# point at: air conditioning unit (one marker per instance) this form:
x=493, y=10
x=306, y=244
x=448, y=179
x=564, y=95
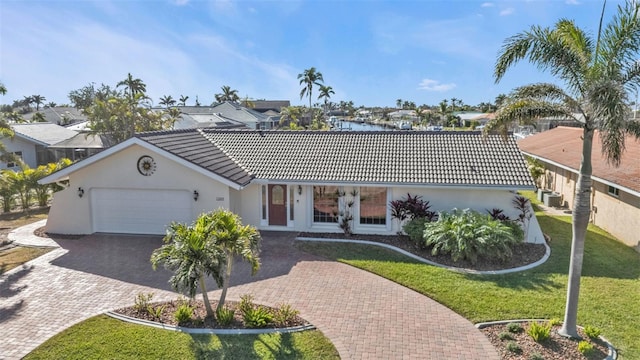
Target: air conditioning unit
x=541, y=194
x=552, y=200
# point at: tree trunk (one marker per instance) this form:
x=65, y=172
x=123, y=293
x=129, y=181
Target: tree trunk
x=581, y=212
x=227, y=278
x=205, y=297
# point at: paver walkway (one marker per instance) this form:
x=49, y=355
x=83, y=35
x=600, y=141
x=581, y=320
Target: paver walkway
x=364, y=315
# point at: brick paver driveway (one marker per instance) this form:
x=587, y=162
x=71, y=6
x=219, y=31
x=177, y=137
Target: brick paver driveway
x=364, y=315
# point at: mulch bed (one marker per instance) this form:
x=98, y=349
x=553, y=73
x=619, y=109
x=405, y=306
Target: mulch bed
x=555, y=348
x=523, y=254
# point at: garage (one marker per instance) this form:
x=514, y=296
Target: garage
x=138, y=211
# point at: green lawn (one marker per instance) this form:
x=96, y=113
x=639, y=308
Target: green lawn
x=610, y=286
x=102, y=337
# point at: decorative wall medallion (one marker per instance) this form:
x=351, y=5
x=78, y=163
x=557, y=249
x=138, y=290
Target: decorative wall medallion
x=146, y=165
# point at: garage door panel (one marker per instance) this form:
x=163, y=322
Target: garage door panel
x=139, y=211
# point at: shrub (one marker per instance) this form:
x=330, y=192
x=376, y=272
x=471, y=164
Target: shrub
x=585, y=348
x=411, y=208
x=498, y=214
x=555, y=322
x=514, y=347
x=142, y=302
x=246, y=303
x=539, y=332
x=415, y=229
x=285, y=315
x=592, y=331
x=536, y=356
x=257, y=317
x=224, y=316
x=505, y=336
x=514, y=328
x=468, y=235
x=156, y=311
x=183, y=313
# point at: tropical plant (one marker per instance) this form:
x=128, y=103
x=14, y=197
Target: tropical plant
x=183, y=100
x=469, y=235
x=539, y=332
x=231, y=238
x=309, y=78
x=20, y=182
x=3, y=89
x=290, y=116
x=325, y=93
x=414, y=228
x=132, y=87
x=167, y=101
x=410, y=208
x=84, y=97
x=38, y=100
x=7, y=192
x=190, y=252
x=536, y=169
x=598, y=74
x=227, y=95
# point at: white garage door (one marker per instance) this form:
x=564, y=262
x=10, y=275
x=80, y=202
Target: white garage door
x=138, y=211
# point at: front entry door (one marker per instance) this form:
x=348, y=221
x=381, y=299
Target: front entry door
x=278, y=205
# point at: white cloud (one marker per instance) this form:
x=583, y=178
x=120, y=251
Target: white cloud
x=572, y=2
x=435, y=85
x=507, y=11
x=487, y=4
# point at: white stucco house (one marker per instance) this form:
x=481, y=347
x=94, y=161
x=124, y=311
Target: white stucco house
x=284, y=180
x=31, y=143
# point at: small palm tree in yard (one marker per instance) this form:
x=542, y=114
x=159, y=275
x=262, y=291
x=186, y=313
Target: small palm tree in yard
x=598, y=74
x=206, y=248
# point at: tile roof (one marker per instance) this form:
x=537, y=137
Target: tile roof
x=410, y=158
x=563, y=145
x=43, y=133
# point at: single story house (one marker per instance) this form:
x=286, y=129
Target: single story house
x=59, y=115
x=615, y=196
x=224, y=115
x=31, y=143
x=285, y=180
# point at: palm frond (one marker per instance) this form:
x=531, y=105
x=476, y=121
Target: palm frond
x=524, y=111
x=608, y=99
x=620, y=41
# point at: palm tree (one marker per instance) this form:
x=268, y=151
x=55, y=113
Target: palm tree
x=183, y=100
x=190, y=253
x=227, y=95
x=132, y=87
x=174, y=114
x=309, y=78
x=399, y=103
x=598, y=75
x=325, y=92
x=51, y=104
x=167, y=101
x=38, y=100
x=234, y=239
x=3, y=89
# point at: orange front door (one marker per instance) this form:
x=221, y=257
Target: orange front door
x=278, y=205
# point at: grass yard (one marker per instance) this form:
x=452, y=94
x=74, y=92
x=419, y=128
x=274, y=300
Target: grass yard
x=609, y=296
x=102, y=337
x=17, y=256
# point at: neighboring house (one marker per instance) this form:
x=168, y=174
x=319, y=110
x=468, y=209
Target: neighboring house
x=274, y=106
x=60, y=115
x=409, y=115
x=615, y=196
x=225, y=115
x=81, y=146
x=285, y=180
x=31, y=143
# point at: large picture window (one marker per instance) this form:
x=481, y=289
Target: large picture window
x=325, y=204
x=373, y=206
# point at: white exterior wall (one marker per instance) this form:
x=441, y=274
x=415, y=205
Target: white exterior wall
x=71, y=214
x=28, y=149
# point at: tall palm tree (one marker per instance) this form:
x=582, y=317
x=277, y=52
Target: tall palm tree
x=190, y=253
x=3, y=89
x=309, y=78
x=598, y=75
x=227, y=95
x=183, y=100
x=132, y=87
x=38, y=100
x=167, y=101
x=399, y=103
x=234, y=239
x=325, y=93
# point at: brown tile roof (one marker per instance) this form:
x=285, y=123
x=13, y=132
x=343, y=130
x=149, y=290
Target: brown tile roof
x=563, y=145
x=418, y=158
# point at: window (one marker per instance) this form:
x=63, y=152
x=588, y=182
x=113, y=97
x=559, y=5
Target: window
x=264, y=202
x=325, y=204
x=614, y=191
x=277, y=195
x=373, y=206
x=17, y=157
x=291, y=201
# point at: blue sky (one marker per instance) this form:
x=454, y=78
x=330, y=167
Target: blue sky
x=369, y=52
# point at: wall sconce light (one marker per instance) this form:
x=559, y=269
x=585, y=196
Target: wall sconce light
x=80, y=192
x=196, y=195
x=299, y=189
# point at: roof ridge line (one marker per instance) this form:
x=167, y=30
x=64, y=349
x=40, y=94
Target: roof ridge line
x=225, y=152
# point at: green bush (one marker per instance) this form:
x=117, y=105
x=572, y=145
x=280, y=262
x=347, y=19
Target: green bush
x=539, y=332
x=246, y=303
x=592, y=331
x=555, y=322
x=183, y=313
x=257, y=317
x=142, y=302
x=156, y=311
x=224, y=316
x=505, y=336
x=469, y=235
x=514, y=347
x=536, y=356
x=414, y=228
x=514, y=328
x=285, y=315
x=585, y=348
